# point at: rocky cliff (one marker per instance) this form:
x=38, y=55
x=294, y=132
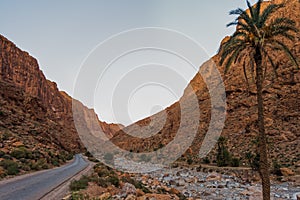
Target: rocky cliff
x=282, y=110
x=19, y=69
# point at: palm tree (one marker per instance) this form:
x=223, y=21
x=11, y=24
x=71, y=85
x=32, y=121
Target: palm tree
x=250, y=45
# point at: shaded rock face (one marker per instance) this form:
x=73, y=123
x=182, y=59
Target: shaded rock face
x=29, y=138
x=22, y=70
x=282, y=109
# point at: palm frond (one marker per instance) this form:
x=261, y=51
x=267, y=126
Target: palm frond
x=243, y=34
x=282, y=30
x=285, y=35
x=250, y=9
x=243, y=27
x=252, y=66
x=274, y=67
x=257, y=10
x=282, y=20
x=229, y=47
x=232, y=58
x=249, y=21
x=237, y=11
x=280, y=45
x=266, y=14
x=245, y=75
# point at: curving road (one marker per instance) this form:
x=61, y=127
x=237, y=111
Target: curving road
x=35, y=186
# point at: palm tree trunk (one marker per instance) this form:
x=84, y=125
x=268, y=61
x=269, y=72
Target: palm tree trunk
x=264, y=164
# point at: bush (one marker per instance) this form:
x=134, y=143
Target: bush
x=92, y=159
x=40, y=164
x=36, y=154
x=10, y=166
x=235, y=162
x=7, y=157
x=6, y=136
x=64, y=155
x=137, y=184
x=2, y=154
x=253, y=160
x=69, y=156
x=103, y=172
x=20, y=153
x=223, y=155
x=190, y=161
x=77, y=196
x=82, y=183
x=25, y=167
x=114, y=180
x=88, y=154
x=206, y=160
x=54, y=161
x=102, y=182
x=276, y=168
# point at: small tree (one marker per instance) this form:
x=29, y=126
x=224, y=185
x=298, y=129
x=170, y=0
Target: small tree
x=223, y=155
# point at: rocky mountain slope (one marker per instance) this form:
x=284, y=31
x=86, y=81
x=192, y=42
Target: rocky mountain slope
x=282, y=110
x=35, y=117
x=22, y=70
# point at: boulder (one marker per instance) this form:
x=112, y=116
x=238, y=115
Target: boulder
x=128, y=189
x=213, y=177
x=17, y=144
x=131, y=197
x=105, y=195
x=286, y=171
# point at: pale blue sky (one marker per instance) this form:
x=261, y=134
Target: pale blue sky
x=61, y=33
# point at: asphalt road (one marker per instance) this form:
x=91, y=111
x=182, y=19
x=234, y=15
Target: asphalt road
x=35, y=186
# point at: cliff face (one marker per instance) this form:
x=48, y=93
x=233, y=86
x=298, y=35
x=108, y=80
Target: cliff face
x=282, y=109
x=20, y=69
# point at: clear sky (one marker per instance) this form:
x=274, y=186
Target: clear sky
x=62, y=33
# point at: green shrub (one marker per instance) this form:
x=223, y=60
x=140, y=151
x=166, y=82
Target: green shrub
x=102, y=182
x=36, y=154
x=77, y=196
x=103, y=172
x=235, y=162
x=114, y=180
x=69, y=156
x=38, y=165
x=223, y=155
x=5, y=136
x=54, y=161
x=88, y=154
x=7, y=157
x=160, y=146
x=2, y=153
x=10, y=166
x=25, y=167
x=253, y=160
x=21, y=152
x=206, y=160
x=82, y=183
x=190, y=161
x=276, y=168
x=137, y=184
x=92, y=159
